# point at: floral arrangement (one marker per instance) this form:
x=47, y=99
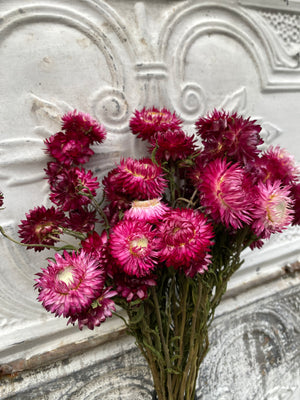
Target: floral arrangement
x=166, y=233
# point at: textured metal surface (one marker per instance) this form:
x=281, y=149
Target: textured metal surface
x=108, y=58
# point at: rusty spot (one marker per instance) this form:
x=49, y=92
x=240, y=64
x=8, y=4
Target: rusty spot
x=292, y=268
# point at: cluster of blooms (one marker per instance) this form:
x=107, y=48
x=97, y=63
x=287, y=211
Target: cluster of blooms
x=160, y=212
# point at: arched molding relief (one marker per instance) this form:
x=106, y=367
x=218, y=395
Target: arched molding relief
x=277, y=70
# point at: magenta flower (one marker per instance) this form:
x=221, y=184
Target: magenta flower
x=227, y=194
x=96, y=245
x=81, y=220
x=69, y=285
x=72, y=188
x=134, y=247
x=97, y=313
x=172, y=144
x=277, y=164
x=70, y=148
x=41, y=226
x=147, y=210
x=229, y=135
x=132, y=288
x=273, y=209
x=135, y=180
x=186, y=237
x=295, y=194
x=83, y=124
x=148, y=121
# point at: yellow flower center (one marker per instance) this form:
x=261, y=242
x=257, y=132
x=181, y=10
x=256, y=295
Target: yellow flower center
x=138, y=245
x=66, y=275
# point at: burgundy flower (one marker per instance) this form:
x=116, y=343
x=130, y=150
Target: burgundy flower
x=81, y=220
x=83, y=124
x=135, y=180
x=186, y=237
x=1, y=199
x=148, y=121
x=70, y=284
x=172, y=144
x=277, y=164
x=71, y=188
x=295, y=194
x=96, y=245
x=69, y=148
x=229, y=135
x=41, y=226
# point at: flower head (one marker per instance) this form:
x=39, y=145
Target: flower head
x=83, y=124
x=101, y=308
x=186, y=237
x=69, y=285
x=133, y=288
x=134, y=247
x=273, y=209
x=148, y=121
x=277, y=164
x=147, y=210
x=41, y=226
x=229, y=135
x=96, y=245
x=295, y=194
x=172, y=144
x=72, y=188
x=226, y=193
x=135, y=179
x=69, y=148
x=81, y=220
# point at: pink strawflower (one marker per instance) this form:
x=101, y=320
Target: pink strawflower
x=81, y=219
x=229, y=135
x=69, y=148
x=135, y=180
x=273, y=209
x=70, y=284
x=148, y=121
x=295, y=194
x=186, y=237
x=147, y=210
x=132, y=288
x=277, y=164
x=134, y=247
x=172, y=144
x=97, y=313
x=227, y=193
x=84, y=124
x=41, y=226
x=72, y=188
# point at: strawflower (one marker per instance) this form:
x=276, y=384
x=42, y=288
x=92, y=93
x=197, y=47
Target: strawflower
x=68, y=149
x=229, y=135
x=135, y=180
x=147, y=122
x=147, y=210
x=70, y=284
x=227, y=193
x=273, y=209
x=42, y=226
x=72, y=188
x=186, y=237
x=101, y=309
x=84, y=124
x=134, y=247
